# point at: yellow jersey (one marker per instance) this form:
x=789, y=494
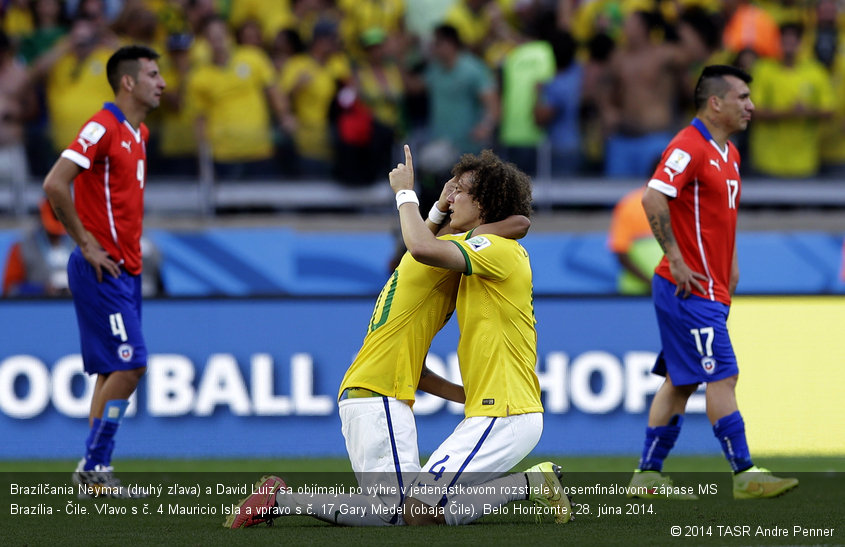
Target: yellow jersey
x=383, y=91
x=788, y=147
x=361, y=15
x=412, y=307
x=310, y=102
x=75, y=88
x=472, y=27
x=233, y=100
x=177, y=137
x=498, y=346
x=832, y=138
x=270, y=16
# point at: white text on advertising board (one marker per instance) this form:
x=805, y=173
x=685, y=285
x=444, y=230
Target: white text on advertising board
x=593, y=382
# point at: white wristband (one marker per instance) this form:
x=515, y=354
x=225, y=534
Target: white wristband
x=406, y=196
x=436, y=215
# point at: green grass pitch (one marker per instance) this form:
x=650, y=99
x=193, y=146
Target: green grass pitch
x=798, y=518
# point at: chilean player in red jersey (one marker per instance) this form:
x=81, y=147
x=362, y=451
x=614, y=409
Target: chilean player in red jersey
x=106, y=165
x=691, y=203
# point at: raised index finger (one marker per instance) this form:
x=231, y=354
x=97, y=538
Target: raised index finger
x=408, y=160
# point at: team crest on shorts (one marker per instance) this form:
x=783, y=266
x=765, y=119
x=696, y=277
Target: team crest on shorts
x=125, y=352
x=708, y=364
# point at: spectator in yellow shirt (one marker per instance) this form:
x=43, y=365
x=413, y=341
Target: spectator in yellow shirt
x=477, y=21
x=232, y=98
x=358, y=16
x=379, y=80
x=309, y=82
x=17, y=20
x=270, y=16
x=75, y=79
x=177, y=143
x=793, y=96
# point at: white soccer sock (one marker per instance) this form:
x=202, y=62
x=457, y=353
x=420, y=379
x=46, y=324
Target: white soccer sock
x=467, y=507
x=346, y=509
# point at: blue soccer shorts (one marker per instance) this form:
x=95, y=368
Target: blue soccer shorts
x=694, y=336
x=109, y=317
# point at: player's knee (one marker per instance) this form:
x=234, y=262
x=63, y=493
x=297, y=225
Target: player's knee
x=682, y=391
x=417, y=513
x=687, y=390
x=728, y=383
x=138, y=373
x=133, y=375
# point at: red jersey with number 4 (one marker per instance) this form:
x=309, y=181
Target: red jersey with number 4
x=109, y=193
x=702, y=182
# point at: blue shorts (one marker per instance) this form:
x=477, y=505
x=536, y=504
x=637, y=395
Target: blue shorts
x=109, y=317
x=694, y=336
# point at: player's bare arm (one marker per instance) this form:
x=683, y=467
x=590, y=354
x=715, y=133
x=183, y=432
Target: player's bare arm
x=656, y=206
x=734, y=273
x=418, y=238
x=441, y=387
x=513, y=227
x=57, y=187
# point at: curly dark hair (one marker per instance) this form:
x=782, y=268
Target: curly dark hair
x=499, y=187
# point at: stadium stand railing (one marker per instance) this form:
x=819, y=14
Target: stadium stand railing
x=206, y=198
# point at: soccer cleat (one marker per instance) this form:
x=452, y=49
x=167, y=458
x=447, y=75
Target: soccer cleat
x=258, y=507
x=544, y=489
x=758, y=482
x=100, y=482
x=651, y=484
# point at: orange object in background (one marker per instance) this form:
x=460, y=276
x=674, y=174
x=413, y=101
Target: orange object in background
x=755, y=28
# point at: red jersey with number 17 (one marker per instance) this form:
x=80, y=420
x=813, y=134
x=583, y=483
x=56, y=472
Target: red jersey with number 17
x=109, y=193
x=702, y=181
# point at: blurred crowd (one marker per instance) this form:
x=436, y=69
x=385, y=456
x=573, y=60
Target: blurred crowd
x=292, y=89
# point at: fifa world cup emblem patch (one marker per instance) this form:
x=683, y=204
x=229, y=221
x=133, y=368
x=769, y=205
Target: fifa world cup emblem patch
x=708, y=364
x=125, y=352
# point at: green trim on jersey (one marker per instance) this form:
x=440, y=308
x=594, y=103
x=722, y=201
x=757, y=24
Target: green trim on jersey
x=466, y=257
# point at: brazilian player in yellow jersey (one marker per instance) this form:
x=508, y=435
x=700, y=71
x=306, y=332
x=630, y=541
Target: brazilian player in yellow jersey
x=378, y=389
x=497, y=349
x=498, y=345
x=415, y=303
x=412, y=307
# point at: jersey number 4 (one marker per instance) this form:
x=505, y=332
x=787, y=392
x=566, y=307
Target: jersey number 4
x=117, y=327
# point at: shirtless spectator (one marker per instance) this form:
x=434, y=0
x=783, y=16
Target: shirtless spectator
x=638, y=100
